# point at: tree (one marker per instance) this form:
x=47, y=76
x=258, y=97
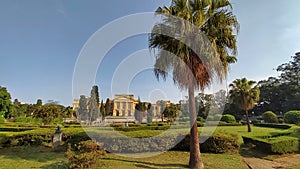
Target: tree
x=211, y=18
x=290, y=72
x=5, y=102
x=140, y=109
x=108, y=108
x=94, y=104
x=82, y=112
x=102, y=109
x=244, y=95
x=149, y=113
x=39, y=102
x=171, y=112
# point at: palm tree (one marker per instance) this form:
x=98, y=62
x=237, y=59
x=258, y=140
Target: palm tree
x=244, y=95
x=211, y=18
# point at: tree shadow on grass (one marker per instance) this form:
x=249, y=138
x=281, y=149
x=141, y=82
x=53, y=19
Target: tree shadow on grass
x=39, y=154
x=150, y=165
x=250, y=150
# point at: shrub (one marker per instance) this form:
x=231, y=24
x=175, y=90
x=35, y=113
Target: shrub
x=217, y=117
x=218, y=143
x=2, y=119
x=32, y=120
x=57, y=121
x=278, y=145
x=210, y=118
x=270, y=117
x=292, y=117
x=84, y=155
x=228, y=118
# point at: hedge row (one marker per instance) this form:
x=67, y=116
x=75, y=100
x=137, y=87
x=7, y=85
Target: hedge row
x=272, y=125
x=119, y=144
x=15, y=129
x=281, y=145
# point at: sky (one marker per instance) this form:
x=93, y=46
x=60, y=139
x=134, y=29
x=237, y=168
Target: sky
x=40, y=42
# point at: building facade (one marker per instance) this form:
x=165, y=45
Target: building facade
x=124, y=105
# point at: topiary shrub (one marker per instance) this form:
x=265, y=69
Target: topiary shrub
x=270, y=117
x=292, y=117
x=228, y=118
x=84, y=155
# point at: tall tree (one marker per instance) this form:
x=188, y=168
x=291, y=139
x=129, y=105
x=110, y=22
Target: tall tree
x=211, y=18
x=39, y=102
x=108, y=108
x=243, y=94
x=102, y=109
x=149, y=113
x=5, y=102
x=94, y=104
x=82, y=112
x=140, y=109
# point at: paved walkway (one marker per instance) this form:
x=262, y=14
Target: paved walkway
x=282, y=162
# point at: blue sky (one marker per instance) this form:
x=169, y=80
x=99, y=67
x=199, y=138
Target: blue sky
x=41, y=40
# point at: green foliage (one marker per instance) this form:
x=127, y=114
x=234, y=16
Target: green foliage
x=84, y=155
x=210, y=118
x=57, y=120
x=228, y=118
x=171, y=112
x=2, y=119
x=31, y=120
x=217, y=143
x=292, y=117
x=217, y=117
x=277, y=145
x=270, y=117
x=5, y=102
x=271, y=125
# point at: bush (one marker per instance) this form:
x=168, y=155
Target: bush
x=270, y=117
x=57, y=121
x=2, y=119
x=278, y=145
x=210, y=118
x=217, y=117
x=218, y=143
x=228, y=118
x=32, y=120
x=292, y=117
x=271, y=125
x=84, y=155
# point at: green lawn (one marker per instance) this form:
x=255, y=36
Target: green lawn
x=38, y=157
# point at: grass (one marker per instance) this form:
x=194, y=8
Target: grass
x=40, y=157
x=31, y=157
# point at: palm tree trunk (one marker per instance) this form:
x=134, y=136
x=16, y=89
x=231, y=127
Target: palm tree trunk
x=195, y=158
x=248, y=121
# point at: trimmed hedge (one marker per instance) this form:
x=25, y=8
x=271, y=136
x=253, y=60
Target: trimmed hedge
x=278, y=145
x=272, y=125
x=15, y=129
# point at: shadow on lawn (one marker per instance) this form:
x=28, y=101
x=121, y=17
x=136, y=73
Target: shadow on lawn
x=39, y=154
x=249, y=150
x=150, y=165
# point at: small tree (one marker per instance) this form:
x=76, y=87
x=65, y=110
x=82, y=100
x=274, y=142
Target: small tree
x=270, y=117
x=244, y=95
